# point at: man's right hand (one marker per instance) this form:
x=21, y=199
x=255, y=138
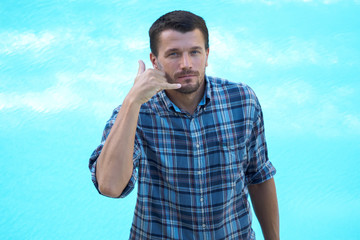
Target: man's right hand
x=114, y=165
x=147, y=83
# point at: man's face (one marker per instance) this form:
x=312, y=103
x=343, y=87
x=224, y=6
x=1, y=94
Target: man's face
x=183, y=58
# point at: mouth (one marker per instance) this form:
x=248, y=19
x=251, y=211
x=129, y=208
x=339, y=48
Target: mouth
x=187, y=76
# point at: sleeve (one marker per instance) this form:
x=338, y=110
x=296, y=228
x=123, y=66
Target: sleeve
x=96, y=153
x=259, y=167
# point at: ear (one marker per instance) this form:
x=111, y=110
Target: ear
x=153, y=60
x=207, y=56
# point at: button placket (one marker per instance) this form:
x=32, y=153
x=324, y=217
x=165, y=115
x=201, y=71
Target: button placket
x=195, y=129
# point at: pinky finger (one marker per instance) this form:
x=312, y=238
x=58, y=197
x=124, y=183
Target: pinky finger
x=172, y=86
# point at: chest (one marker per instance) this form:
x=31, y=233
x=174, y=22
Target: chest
x=216, y=137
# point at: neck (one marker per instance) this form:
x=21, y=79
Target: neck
x=187, y=101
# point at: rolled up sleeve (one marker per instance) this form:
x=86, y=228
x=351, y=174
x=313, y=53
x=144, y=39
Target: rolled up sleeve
x=96, y=153
x=259, y=168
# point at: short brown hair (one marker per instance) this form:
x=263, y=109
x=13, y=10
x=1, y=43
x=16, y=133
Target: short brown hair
x=182, y=21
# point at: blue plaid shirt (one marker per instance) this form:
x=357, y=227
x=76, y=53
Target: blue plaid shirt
x=193, y=171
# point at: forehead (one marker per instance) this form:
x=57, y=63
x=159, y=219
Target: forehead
x=170, y=39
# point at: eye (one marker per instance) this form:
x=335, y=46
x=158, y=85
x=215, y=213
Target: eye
x=173, y=54
x=194, y=52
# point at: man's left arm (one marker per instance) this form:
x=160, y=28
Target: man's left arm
x=264, y=201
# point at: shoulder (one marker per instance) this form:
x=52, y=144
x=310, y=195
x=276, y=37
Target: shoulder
x=221, y=84
x=233, y=91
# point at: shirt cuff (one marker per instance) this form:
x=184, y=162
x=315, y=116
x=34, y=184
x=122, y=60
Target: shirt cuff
x=266, y=172
x=129, y=187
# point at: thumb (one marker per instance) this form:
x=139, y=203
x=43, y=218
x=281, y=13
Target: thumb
x=141, y=67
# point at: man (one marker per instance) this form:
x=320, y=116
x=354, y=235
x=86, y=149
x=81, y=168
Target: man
x=195, y=144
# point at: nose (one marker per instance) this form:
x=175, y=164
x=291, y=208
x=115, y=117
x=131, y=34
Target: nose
x=186, y=61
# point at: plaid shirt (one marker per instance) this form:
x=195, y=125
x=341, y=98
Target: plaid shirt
x=193, y=170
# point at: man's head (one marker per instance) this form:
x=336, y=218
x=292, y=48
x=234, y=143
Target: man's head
x=181, y=21
x=180, y=49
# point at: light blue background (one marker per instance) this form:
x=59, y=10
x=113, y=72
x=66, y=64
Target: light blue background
x=65, y=65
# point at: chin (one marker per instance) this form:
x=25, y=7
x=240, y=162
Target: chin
x=188, y=89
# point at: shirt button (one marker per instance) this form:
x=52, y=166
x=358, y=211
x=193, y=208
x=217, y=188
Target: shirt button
x=198, y=145
x=204, y=225
x=201, y=199
x=199, y=172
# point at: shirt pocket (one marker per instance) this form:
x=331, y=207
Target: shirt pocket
x=234, y=162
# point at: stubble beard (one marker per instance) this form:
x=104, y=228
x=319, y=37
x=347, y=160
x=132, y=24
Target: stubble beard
x=186, y=89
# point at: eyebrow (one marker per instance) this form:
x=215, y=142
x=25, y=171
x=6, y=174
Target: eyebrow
x=177, y=49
